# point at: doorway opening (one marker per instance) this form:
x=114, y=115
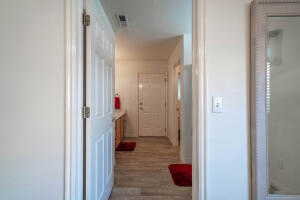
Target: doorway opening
x=153, y=80
x=149, y=65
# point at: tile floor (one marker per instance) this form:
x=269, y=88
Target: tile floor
x=144, y=175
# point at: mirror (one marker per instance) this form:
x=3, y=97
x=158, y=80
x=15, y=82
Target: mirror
x=283, y=104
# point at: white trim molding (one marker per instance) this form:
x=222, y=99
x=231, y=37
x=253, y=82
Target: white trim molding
x=73, y=100
x=199, y=101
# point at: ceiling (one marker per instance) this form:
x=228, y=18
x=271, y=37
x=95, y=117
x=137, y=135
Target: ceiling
x=153, y=26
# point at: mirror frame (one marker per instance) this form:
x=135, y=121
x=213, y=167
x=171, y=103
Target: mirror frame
x=260, y=11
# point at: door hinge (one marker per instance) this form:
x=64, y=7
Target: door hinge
x=86, y=112
x=86, y=19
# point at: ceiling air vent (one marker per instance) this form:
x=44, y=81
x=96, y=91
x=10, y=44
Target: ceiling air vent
x=122, y=20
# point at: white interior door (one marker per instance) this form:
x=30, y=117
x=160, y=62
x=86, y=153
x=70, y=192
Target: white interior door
x=152, y=104
x=99, y=95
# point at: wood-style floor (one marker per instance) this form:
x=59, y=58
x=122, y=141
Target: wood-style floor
x=144, y=175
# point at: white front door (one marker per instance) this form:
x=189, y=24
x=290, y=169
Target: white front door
x=152, y=104
x=99, y=97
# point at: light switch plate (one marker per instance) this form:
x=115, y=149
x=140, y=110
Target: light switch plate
x=217, y=104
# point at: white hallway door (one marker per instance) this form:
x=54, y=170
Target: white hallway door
x=152, y=104
x=99, y=97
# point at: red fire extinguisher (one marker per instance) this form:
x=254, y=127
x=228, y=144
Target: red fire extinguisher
x=117, y=102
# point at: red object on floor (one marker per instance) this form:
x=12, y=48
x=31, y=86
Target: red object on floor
x=117, y=102
x=181, y=174
x=126, y=146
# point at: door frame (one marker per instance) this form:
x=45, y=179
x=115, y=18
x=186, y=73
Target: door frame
x=73, y=174
x=199, y=99
x=176, y=74
x=166, y=100
x=73, y=101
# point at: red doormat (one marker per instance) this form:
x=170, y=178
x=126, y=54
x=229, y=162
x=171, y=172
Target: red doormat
x=126, y=146
x=181, y=174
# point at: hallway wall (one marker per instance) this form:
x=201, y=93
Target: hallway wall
x=181, y=55
x=227, y=57
x=186, y=138
x=175, y=58
x=186, y=152
x=127, y=87
x=32, y=82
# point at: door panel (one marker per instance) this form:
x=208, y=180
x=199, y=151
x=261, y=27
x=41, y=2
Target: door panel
x=99, y=96
x=152, y=105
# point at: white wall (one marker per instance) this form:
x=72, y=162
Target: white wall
x=186, y=101
x=127, y=87
x=186, y=144
x=187, y=49
x=227, y=52
x=284, y=113
x=32, y=100
x=182, y=55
